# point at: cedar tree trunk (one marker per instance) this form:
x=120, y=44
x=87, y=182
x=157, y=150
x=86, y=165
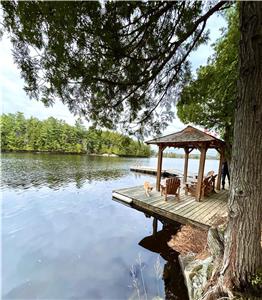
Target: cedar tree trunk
x=243, y=255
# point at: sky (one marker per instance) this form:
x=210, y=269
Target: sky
x=14, y=99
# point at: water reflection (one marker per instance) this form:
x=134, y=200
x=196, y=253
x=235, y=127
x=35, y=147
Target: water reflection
x=172, y=276
x=64, y=238
x=23, y=171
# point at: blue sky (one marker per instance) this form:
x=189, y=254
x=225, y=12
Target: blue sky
x=13, y=97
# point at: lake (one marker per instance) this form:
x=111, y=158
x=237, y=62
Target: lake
x=63, y=237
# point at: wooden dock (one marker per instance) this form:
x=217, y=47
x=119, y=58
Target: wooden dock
x=153, y=171
x=185, y=211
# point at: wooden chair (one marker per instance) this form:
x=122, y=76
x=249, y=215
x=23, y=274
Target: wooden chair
x=171, y=187
x=212, y=181
x=208, y=186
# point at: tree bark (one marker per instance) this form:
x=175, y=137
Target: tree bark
x=243, y=255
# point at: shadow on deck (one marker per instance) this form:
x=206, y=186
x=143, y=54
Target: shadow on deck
x=187, y=210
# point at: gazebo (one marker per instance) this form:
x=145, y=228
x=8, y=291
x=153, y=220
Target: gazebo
x=189, y=139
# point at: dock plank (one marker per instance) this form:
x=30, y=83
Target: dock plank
x=204, y=207
x=185, y=210
x=216, y=212
x=201, y=214
x=153, y=171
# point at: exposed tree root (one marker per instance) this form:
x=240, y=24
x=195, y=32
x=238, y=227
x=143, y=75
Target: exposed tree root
x=221, y=283
x=219, y=290
x=218, y=287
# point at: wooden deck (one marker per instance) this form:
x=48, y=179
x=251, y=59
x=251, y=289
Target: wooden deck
x=185, y=211
x=153, y=171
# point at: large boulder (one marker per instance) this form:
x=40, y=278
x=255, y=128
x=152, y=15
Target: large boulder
x=196, y=273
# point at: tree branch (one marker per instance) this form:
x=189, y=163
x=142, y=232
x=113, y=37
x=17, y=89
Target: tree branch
x=172, y=52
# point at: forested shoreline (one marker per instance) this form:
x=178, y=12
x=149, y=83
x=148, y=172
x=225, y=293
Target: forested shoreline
x=56, y=136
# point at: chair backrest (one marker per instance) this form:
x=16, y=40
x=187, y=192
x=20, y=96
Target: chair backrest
x=172, y=184
x=210, y=173
x=208, y=184
x=207, y=180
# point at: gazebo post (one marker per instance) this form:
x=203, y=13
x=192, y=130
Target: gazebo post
x=186, y=163
x=159, y=166
x=201, y=169
x=219, y=175
x=187, y=152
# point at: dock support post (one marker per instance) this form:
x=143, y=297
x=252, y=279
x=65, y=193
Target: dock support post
x=159, y=166
x=219, y=175
x=154, y=226
x=200, y=172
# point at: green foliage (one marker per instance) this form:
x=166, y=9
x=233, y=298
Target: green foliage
x=20, y=134
x=118, y=63
x=256, y=280
x=209, y=99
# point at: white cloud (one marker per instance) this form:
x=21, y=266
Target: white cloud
x=14, y=98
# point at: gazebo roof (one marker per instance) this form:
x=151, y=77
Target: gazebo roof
x=189, y=137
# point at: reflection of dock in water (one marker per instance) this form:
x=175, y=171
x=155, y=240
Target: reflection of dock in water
x=172, y=274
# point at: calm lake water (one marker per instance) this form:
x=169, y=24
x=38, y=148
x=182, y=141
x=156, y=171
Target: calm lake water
x=63, y=237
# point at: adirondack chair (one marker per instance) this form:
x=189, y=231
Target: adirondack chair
x=171, y=186
x=208, y=186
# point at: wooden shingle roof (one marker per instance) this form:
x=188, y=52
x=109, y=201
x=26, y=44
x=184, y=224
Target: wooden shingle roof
x=188, y=137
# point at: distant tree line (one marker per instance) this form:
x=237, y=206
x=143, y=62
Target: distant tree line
x=52, y=135
x=191, y=155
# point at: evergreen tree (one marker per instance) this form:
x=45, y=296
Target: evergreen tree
x=20, y=134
